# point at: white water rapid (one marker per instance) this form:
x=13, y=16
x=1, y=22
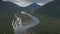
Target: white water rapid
x=21, y=29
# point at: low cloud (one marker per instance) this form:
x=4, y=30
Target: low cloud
x=32, y=1
x=24, y=3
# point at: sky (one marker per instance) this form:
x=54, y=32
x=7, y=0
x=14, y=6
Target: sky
x=25, y=3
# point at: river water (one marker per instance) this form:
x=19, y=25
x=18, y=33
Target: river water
x=21, y=29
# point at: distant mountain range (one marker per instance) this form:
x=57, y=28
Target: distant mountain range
x=31, y=7
x=50, y=9
x=11, y=8
x=8, y=8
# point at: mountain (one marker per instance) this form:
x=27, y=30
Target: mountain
x=11, y=8
x=49, y=16
x=50, y=9
x=33, y=6
x=7, y=11
x=8, y=8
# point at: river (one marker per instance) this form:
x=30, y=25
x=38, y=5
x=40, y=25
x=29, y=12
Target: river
x=21, y=29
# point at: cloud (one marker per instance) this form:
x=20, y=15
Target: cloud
x=38, y=1
x=24, y=3
x=32, y=1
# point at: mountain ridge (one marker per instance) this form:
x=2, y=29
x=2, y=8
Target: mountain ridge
x=33, y=6
x=50, y=9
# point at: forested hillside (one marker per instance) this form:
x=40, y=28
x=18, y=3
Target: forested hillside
x=49, y=16
x=50, y=9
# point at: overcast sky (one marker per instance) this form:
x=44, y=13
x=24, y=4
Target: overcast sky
x=24, y=3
